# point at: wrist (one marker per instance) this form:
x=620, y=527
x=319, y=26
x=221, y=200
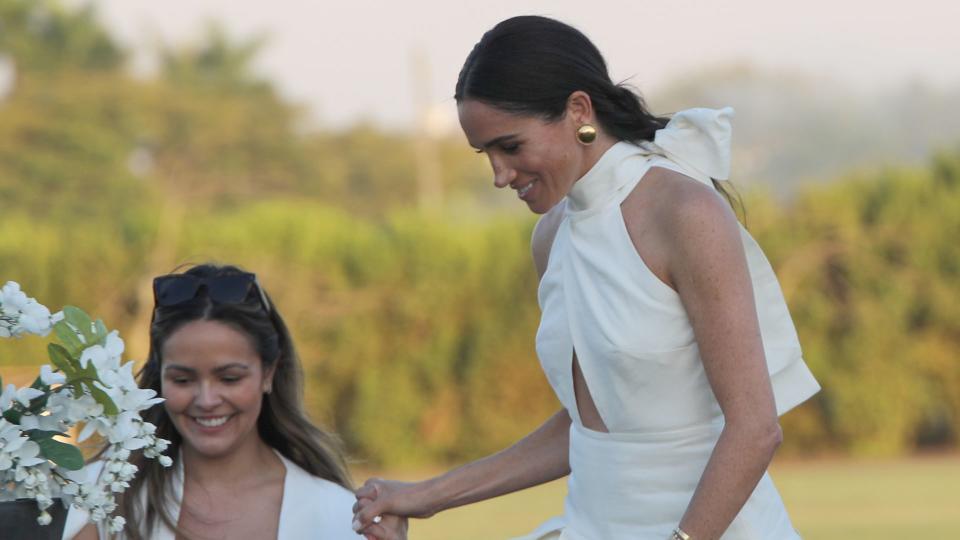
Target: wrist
x=431, y=495
x=679, y=534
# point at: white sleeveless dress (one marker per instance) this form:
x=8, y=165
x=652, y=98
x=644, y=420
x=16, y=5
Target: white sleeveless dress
x=639, y=356
x=311, y=507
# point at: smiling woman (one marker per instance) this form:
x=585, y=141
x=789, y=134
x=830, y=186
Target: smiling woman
x=247, y=461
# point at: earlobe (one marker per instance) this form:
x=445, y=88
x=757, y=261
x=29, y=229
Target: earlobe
x=580, y=107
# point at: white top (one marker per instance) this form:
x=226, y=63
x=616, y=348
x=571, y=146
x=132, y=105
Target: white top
x=312, y=507
x=630, y=331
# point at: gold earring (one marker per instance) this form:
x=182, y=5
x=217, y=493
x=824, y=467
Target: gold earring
x=586, y=134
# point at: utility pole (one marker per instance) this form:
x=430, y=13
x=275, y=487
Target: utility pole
x=428, y=170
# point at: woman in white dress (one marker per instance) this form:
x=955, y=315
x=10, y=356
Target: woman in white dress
x=664, y=332
x=247, y=463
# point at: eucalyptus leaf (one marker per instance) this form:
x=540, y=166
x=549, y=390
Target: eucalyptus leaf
x=63, y=454
x=38, y=404
x=101, y=397
x=101, y=330
x=82, y=322
x=39, y=434
x=62, y=359
x=40, y=385
x=13, y=416
x=90, y=372
x=68, y=336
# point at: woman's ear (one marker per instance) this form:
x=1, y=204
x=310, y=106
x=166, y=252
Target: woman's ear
x=268, y=378
x=580, y=108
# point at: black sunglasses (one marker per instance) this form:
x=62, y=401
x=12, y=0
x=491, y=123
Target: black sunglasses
x=174, y=289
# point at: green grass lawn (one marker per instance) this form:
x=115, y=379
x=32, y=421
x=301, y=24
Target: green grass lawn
x=828, y=499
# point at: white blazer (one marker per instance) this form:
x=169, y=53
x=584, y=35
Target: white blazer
x=312, y=507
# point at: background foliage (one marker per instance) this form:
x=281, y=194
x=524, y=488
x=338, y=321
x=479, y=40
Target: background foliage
x=416, y=321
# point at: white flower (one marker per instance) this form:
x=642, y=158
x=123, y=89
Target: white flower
x=74, y=409
x=6, y=397
x=49, y=378
x=98, y=355
x=12, y=298
x=27, y=474
x=46, y=422
x=22, y=395
x=117, y=523
x=36, y=319
x=19, y=313
x=15, y=448
x=44, y=501
x=114, y=345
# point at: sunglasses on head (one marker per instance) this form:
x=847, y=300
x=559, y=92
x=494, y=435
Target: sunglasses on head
x=174, y=289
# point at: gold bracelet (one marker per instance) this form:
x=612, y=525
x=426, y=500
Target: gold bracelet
x=678, y=534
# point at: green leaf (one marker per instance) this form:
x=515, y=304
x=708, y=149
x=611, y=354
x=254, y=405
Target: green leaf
x=101, y=397
x=13, y=416
x=68, y=336
x=38, y=434
x=38, y=404
x=90, y=372
x=80, y=321
x=62, y=359
x=101, y=331
x=63, y=454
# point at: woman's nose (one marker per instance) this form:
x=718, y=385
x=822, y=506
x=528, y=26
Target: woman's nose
x=502, y=174
x=208, y=396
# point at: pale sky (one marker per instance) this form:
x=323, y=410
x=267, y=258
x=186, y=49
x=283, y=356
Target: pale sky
x=353, y=59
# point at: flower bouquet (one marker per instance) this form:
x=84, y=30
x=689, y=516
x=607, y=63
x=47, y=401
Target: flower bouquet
x=85, y=385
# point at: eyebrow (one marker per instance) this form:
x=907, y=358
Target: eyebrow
x=217, y=370
x=497, y=140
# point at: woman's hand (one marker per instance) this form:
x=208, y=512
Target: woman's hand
x=539, y=457
x=379, y=497
x=388, y=527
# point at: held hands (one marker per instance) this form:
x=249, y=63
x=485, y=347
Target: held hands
x=387, y=499
x=386, y=527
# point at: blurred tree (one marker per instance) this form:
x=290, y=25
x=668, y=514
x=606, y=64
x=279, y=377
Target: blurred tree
x=47, y=38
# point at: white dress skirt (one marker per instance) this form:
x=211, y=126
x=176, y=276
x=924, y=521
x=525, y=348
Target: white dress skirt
x=638, y=486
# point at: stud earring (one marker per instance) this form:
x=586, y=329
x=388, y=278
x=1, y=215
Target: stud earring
x=586, y=134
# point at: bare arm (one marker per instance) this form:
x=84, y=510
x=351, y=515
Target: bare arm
x=704, y=260
x=710, y=271
x=539, y=457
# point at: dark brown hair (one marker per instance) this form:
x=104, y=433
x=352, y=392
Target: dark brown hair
x=531, y=64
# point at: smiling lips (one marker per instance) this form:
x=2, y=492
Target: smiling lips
x=211, y=421
x=522, y=192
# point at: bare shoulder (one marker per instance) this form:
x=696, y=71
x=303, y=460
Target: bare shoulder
x=543, y=234
x=679, y=210
x=675, y=222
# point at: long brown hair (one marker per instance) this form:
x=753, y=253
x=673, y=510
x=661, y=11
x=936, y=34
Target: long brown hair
x=282, y=424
